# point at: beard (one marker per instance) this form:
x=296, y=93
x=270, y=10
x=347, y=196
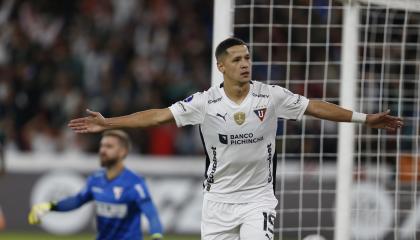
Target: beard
x=108, y=162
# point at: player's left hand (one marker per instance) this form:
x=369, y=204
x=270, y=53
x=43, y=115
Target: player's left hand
x=384, y=121
x=37, y=211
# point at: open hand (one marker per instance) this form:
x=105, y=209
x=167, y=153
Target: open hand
x=95, y=122
x=38, y=211
x=384, y=121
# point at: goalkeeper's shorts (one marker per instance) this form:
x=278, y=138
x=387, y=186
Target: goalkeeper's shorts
x=234, y=221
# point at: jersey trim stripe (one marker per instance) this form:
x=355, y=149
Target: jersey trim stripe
x=274, y=171
x=207, y=155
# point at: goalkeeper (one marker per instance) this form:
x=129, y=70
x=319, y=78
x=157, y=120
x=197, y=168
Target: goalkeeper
x=120, y=195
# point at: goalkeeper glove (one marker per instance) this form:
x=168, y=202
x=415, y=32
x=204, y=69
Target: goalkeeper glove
x=37, y=211
x=157, y=236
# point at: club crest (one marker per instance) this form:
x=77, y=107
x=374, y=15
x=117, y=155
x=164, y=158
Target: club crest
x=117, y=192
x=260, y=113
x=239, y=117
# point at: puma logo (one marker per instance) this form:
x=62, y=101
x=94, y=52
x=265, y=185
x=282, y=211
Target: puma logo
x=297, y=100
x=221, y=116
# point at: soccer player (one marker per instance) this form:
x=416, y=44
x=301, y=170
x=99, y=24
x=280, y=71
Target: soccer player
x=237, y=122
x=120, y=195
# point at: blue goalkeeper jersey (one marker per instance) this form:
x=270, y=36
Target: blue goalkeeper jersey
x=119, y=204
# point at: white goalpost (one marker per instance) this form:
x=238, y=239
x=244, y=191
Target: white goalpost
x=346, y=131
x=222, y=29
x=339, y=181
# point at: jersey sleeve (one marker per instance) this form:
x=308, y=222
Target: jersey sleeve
x=73, y=202
x=190, y=111
x=145, y=204
x=287, y=104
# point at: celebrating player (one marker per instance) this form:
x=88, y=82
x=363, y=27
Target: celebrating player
x=120, y=195
x=237, y=122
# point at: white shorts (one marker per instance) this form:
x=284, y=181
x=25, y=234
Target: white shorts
x=238, y=221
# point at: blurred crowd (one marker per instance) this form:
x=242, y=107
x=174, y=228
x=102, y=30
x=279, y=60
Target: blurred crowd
x=58, y=58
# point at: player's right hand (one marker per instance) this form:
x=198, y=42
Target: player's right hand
x=95, y=122
x=37, y=211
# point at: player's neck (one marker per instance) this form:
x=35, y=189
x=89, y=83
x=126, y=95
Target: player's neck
x=114, y=171
x=236, y=91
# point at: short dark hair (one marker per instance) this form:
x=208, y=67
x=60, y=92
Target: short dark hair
x=121, y=135
x=227, y=43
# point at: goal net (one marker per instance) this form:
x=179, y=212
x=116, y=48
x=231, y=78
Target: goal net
x=298, y=44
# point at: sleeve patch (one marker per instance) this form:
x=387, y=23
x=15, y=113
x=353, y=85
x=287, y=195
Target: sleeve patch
x=189, y=99
x=140, y=191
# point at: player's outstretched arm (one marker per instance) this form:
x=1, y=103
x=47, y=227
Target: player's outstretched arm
x=67, y=204
x=332, y=112
x=95, y=122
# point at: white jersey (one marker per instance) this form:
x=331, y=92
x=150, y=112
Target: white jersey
x=239, y=140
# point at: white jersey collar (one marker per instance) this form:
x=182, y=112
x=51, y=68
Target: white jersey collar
x=232, y=103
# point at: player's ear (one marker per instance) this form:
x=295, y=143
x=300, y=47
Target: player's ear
x=123, y=153
x=220, y=66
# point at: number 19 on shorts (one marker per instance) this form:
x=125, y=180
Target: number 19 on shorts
x=268, y=225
